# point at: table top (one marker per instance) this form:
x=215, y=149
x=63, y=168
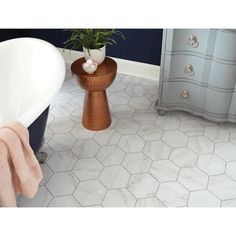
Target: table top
x=109, y=66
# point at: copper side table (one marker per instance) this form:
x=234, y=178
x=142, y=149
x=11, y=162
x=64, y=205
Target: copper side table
x=96, y=113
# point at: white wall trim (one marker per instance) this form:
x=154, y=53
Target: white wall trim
x=128, y=67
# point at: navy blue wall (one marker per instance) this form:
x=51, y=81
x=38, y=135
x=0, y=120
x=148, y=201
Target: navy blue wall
x=142, y=45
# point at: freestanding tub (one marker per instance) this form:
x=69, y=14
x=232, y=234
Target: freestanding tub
x=31, y=73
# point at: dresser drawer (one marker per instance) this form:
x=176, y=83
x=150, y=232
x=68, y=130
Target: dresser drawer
x=205, y=71
x=192, y=40
x=183, y=94
x=219, y=44
x=184, y=66
x=172, y=94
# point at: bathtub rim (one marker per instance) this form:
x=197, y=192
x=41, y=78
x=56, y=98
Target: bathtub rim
x=37, y=107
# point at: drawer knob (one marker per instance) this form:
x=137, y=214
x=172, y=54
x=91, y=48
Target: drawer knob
x=188, y=70
x=192, y=41
x=184, y=94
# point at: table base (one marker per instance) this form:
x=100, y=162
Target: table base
x=96, y=113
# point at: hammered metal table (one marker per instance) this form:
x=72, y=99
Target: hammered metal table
x=96, y=113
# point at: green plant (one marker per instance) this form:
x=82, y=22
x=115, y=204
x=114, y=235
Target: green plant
x=92, y=38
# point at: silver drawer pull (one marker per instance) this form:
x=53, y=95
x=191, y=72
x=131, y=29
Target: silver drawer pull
x=192, y=41
x=188, y=70
x=184, y=94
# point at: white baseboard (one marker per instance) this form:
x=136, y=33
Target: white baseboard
x=128, y=67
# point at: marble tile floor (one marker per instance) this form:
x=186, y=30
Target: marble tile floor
x=141, y=160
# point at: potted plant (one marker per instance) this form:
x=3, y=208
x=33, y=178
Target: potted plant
x=93, y=41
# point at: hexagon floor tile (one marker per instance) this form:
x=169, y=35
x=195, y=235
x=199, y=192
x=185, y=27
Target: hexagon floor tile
x=226, y=151
x=62, y=97
x=61, y=110
x=110, y=155
x=119, y=198
x=191, y=127
x=145, y=117
x=62, y=161
x=141, y=160
x=193, y=178
x=62, y=142
x=172, y=194
x=131, y=143
x=62, y=125
x=123, y=111
x=119, y=98
x=116, y=87
x=82, y=133
x=157, y=150
x=107, y=137
x=211, y=164
x=143, y=185
x=137, y=163
x=201, y=145
x=62, y=183
x=85, y=148
x=64, y=201
x=175, y=138
x=203, y=198
x=168, y=122
x=150, y=132
x=164, y=170
x=217, y=134
x=229, y=203
x=86, y=169
x=126, y=126
x=114, y=177
x=135, y=90
x=149, y=202
x=139, y=103
x=90, y=192
x=231, y=170
x=222, y=186
x=183, y=157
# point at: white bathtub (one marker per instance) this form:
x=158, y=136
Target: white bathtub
x=31, y=73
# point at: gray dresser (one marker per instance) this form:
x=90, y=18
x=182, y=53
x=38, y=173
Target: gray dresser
x=198, y=73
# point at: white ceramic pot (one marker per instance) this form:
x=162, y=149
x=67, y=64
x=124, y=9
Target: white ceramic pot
x=97, y=55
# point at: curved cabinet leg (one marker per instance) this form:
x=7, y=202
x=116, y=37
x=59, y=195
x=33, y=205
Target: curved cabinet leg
x=161, y=112
x=41, y=157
